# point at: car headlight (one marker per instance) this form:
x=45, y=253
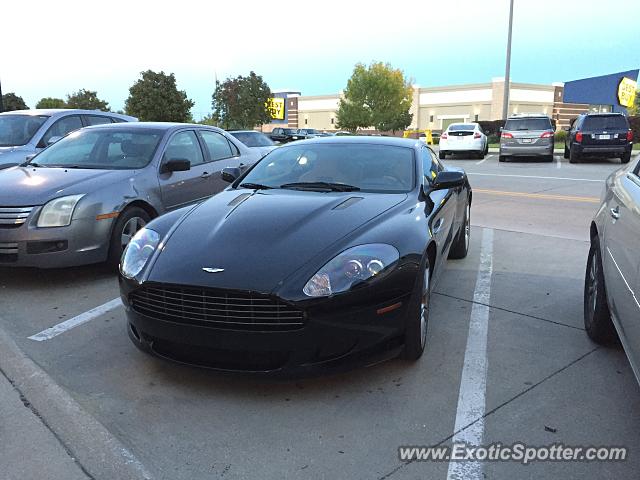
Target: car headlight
x=58, y=212
x=138, y=252
x=351, y=267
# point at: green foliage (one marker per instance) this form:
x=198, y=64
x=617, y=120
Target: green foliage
x=155, y=98
x=378, y=96
x=86, y=100
x=560, y=136
x=209, y=120
x=241, y=102
x=12, y=102
x=50, y=102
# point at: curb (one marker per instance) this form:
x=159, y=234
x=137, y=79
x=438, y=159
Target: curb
x=93, y=447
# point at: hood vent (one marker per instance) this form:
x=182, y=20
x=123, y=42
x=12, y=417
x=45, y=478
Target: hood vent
x=347, y=203
x=239, y=199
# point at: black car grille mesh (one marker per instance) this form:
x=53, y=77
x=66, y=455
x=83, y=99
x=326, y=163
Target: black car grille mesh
x=219, y=308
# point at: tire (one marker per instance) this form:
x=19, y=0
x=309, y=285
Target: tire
x=415, y=334
x=597, y=318
x=573, y=157
x=480, y=155
x=625, y=158
x=460, y=245
x=566, y=152
x=548, y=158
x=128, y=222
x=442, y=155
x=502, y=158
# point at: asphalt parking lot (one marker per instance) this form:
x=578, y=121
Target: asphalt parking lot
x=507, y=360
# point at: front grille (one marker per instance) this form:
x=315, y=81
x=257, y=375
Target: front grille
x=219, y=308
x=14, y=217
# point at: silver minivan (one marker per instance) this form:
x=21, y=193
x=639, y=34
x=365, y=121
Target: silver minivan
x=26, y=132
x=527, y=135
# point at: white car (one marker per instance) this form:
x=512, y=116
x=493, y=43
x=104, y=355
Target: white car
x=463, y=138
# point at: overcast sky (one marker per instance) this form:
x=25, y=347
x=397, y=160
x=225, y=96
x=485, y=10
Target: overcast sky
x=50, y=48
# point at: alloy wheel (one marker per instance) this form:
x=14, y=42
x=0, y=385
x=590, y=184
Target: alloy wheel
x=130, y=228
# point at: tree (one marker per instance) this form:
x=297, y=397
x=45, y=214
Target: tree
x=50, y=102
x=241, y=102
x=378, y=96
x=12, y=102
x=87, y=100
x=155, y=98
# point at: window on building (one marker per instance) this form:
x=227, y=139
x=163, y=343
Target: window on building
x=333, y=120
x=475, y=117
x=306, y=121
x=430, y=118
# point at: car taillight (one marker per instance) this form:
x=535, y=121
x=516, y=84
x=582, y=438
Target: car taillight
x=546, y=135
x=444, y=136
x=506, y=135
x=629, y=136
x=476, y=135
x=579, y=137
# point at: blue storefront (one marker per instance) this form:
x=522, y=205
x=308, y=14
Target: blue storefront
x=600, y=93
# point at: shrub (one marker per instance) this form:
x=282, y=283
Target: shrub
x=560, y=136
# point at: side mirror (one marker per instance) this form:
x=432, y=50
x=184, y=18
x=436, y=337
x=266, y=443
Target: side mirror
x=53, y=140
x=230, y=174
x=177, y=165
x=28, y=158
x=449, y=179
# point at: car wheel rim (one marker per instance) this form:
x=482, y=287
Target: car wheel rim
x=467, y=227
x=130, y=228
x=424, y=308
x=593, y=285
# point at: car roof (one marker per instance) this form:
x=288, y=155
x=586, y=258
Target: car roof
x=601, y=114
x=361, y=139
x=243, y=131
x=54, y=111
x=527, y=115
x=152, y=125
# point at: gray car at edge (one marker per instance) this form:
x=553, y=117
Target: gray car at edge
x=82, y=199
x=26, y=132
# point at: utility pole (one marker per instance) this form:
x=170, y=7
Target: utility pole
x=505, y=104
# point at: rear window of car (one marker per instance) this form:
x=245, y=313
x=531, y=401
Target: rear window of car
x=462, y=127
x=528, y=124
x=605, y=122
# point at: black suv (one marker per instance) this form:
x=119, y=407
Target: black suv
x=285, y=135
x=599, y=135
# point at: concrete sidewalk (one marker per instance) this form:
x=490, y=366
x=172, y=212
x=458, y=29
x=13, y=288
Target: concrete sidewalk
x=28, y=449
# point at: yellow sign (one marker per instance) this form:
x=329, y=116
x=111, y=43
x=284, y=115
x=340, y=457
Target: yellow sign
x=276, y=107
x=627, y=92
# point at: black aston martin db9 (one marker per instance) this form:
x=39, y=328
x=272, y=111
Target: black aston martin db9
x=324, y=253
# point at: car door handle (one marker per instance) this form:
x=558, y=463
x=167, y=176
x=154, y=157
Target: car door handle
x=615, y=212
x=205, y=175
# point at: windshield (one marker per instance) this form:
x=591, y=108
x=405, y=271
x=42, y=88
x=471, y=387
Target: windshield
x=528, y=124
x=253, y=139
x=605, y=122
x=107, y=149
x=16, y=130
x=371, y=168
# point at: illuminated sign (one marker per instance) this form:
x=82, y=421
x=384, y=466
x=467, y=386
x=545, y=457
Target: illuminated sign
x=627, y=92
x=276, y=107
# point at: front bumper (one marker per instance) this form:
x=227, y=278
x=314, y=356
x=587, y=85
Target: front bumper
x=84, y=241
x=331, y=338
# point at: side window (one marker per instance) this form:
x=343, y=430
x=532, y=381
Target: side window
x=217, y=145
x=96, y=120
x=61, y=128
x=430, y=164
x=184, y=146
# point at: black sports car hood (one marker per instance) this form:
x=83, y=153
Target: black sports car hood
x=261, y=238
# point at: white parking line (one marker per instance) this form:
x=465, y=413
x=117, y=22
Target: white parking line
x=469, y=426
x=535, y=176
x=85, y=317
x=484, y=159
x=558, y=162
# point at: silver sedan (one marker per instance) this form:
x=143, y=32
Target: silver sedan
x=612, y=283
x=82, y=199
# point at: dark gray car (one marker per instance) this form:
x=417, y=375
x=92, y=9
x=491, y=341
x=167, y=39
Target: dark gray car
x=27, y=132
x=81, y=200
x=612, y=281
x=527, y=136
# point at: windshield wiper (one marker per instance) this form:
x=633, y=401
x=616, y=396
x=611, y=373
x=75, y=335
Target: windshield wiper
x=330, y=186
x=256, y=186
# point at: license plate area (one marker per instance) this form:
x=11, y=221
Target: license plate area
x=526, y=140
x=604, y=137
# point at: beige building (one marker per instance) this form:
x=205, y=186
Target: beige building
x=437, y=107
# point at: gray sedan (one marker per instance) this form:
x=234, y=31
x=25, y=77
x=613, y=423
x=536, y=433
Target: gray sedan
x=26, y=132
x=82, y=199
x=612, y=281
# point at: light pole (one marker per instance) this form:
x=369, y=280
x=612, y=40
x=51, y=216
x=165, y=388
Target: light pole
x=505, y=102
